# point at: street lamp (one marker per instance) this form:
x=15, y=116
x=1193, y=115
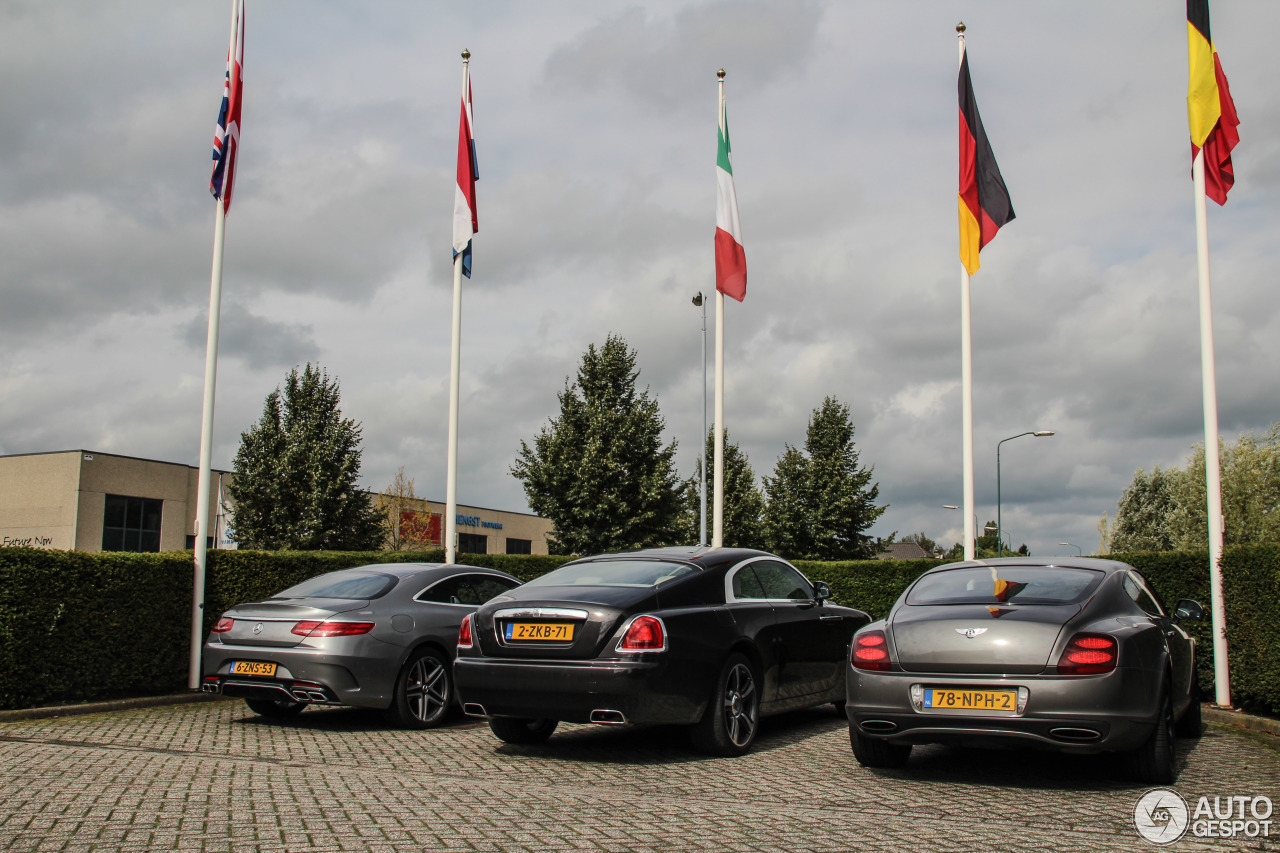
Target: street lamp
x=699, y=302
x=1040, y=433
x=975, y=520
x=1079, y=550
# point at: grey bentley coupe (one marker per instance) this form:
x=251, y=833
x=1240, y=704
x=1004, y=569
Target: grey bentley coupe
x=1073, y=654
x=379, y=636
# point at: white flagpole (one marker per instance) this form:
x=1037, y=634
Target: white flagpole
x=455, y=365
x=717, y=515
x=201, y=555
x=966, y=384
x=1213, y=470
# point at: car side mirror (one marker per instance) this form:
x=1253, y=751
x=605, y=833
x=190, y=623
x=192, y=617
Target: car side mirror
x=821, y=591
x=1188, y=609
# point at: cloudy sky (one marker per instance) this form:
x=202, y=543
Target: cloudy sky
x=595, y=126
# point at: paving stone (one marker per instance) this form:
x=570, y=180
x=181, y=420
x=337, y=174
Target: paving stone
x=213, y=777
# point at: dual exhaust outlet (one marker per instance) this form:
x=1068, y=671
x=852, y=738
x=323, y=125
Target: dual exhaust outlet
x=601, y=716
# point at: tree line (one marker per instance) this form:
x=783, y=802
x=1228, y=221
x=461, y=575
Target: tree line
x=600, y=472
x=1166, y=509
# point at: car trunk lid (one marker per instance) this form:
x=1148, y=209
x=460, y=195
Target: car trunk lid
x=568, y=623
x=978, y=638
x=270, y=623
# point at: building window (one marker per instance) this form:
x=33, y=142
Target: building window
x=519, y=546
x=131, y=524
x=473, y=543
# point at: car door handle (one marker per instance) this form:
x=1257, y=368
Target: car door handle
x=830, y=618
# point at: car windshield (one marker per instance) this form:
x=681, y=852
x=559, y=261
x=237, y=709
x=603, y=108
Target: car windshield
x=632, y=573
x=346, y=584
x=1001, y=584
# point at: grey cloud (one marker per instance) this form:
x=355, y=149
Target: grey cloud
x=259, y=341
x=659, y=61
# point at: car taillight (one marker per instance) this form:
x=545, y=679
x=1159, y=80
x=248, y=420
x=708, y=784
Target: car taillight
x=222, y=626
x=464, y=633
x=331, y=629
x=870, y=651
x=1088, y=654
x=645, y=634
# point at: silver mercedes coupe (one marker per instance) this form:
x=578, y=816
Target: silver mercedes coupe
x=379, y=636
x=1072, y=654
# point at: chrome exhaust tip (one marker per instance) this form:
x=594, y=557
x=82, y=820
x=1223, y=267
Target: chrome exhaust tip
x=1075, y=735
x=474, y=709
x=878, y=726
x=210, y=687
x=608, y=717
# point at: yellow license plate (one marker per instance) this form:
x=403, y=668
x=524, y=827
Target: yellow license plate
x=971, y=700
x=252, y=667
x=557, y=632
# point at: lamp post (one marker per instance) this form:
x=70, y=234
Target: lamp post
x=1079, y=550
x=699, y=302
x=1040, y=433
x=975, y=522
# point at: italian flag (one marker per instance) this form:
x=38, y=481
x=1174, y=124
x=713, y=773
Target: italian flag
x=731, y=260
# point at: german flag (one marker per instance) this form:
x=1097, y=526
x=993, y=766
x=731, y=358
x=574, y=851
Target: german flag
x=984, y=200
x=1210, y=110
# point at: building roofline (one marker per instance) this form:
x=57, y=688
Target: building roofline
x=84, y=452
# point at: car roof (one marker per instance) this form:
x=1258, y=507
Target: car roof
x=698, y=555
x=1095, y=563
x=402, y=570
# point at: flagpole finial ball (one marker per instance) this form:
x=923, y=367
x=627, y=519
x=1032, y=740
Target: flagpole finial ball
x=960, y=28
x=720, y=74
x=466, y=54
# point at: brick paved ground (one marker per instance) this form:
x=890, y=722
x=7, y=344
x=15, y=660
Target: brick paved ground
x=213, y=777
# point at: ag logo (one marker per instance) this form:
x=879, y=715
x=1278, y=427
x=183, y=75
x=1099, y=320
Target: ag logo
x=970, y=633
x=1161, y=816
x=257, y=629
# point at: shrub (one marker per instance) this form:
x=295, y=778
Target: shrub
x=77, y=626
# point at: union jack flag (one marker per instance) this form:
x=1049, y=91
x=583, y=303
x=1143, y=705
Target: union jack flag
x=226, y=135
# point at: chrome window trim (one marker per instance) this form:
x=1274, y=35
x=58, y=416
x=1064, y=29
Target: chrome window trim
x=730, y=598
x=540, y=613
x=627, y=627
x=417, y=598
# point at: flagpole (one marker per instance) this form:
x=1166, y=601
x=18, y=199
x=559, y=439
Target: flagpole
x=966, y=382
x=455, y=364
x=717, y=523
x=1213, y=470
x=200, y=554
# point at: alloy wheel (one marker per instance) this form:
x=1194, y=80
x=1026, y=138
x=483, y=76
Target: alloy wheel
x=427, y=689
x=740, y=707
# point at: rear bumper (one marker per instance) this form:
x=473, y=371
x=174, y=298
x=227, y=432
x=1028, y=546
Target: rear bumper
x=302, y=675
x=613, y=692
x=1088, y=714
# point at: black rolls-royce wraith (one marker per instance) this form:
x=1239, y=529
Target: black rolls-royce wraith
x=709, y=638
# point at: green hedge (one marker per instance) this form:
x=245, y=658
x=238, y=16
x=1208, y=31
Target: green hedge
x=76, y=626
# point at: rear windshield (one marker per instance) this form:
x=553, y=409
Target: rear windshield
x=997, y=585
x=632, y=573
x=351, y=585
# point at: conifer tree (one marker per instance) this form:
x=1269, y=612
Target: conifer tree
x=296, y=472
x=819, y=503
x=743, y=503
x=600, y=471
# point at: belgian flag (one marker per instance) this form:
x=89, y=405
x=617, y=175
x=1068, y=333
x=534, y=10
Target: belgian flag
x=1210, y=110
x=984, y=199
